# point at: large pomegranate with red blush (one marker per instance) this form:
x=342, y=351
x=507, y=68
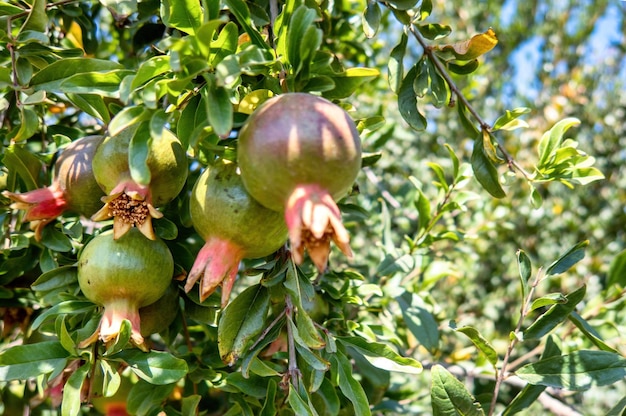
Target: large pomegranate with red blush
x=298, y=153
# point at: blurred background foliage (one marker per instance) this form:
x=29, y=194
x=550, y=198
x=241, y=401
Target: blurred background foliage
x=561, y=59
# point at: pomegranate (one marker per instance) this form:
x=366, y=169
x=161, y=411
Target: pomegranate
x=123, y=275
x=298, y=153
x=132, y=204
x=73, y=188
x=234, y=227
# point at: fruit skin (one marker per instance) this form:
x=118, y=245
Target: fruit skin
x=157, y=316
x=298, y=153
x=234, y=227
x=131, y=203
x=124, y=275
x=74, y=187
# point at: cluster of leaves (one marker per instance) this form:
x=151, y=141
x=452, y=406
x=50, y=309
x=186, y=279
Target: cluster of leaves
x=291, y=341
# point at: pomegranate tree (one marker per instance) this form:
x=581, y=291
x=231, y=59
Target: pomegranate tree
x=74, y=187
x=123, y=275
x=234, y=226
x=298, y=154
x=132, y=204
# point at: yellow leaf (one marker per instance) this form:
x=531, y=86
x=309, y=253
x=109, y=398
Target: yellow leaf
x=471, y=49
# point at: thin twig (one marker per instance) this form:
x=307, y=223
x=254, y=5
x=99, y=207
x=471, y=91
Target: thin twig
x=484, y=126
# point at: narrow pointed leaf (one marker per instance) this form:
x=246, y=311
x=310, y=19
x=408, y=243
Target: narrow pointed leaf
x=579, y=370
x=547, y=300
x=449, y=397
x=555, y=315
x=184, y=15
x=27, y=361
x=617, y=270
x=407, y=102
x=381, y=354
x=349, y=386
x=525, y=271
x=551, y=140
x=481, y=343
x=590, y=332
x=242, y=320
x=155, y=367
x=568, y=259
x=71, y=403
x=485, y=171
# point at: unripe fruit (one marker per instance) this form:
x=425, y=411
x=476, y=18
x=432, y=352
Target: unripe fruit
x=298, y=153
x=124, y=275
x=128, y=202
x=234, y=227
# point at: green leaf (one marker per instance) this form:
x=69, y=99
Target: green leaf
x=184, y=15
x=144, y=397
x=579, y=370
x=407, y=102
x=618, y=409
x=590, y=332
x=60, y=277
x=349, y=386
x=529, y=394
x=225, y=44
x=419, y=320
x=567, y=260
x=402, y=4
x=381, y=355
x=104, y=83
x=55, y=240
x=51, y=77
x=463, y=69
x=37, y=19
x=66, y=307
x=129, y=116
x=303, y=38
x=7, y=9
x=510, y=120
x=617, y=271
x=242, y=320
x=555, y=315
x=485, y=171
x=395, y=66
x=348, y=81
x=422, y=204
x=150, y=69
x=23, y=362
x=552, y=139
x=92, y=104
x=189, y=405
x=434, y=31
x=481, y=343
x=219, y=108
x=71, y=403
x=449, y=397
x=242, y=14
x=23, y=163
x=29, y=124
x=547, y=300
x=155, y=367
x=525, y=271
x=138, y=153
x=298, y=404
x=269, y=404
x=371, y=19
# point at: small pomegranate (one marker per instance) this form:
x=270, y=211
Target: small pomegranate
x=132, y=204
x=234, y=227
x=298, y=153
x=123, y=275
x=73, y=188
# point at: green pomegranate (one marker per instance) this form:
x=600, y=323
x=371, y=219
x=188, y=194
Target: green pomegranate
x=123, y=275
x=234, y=227
x=131, y=203
x=74, y=187
x=298, y=153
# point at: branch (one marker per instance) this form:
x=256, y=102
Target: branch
x=484, y=126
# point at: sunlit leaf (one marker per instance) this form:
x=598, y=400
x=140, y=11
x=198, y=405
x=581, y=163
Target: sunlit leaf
x=37, y=19
x=419, y=320
x=555, y=315
x=155, y=367
x=395, y=66
x=184, y=15
x=590, y=332
x=548, y=300
x=568, y=259
x=481, y=343
x=72, y=388
x=449, y=397
x=552, y=139
x=348, y=385
x=381, y=354
x=22, y=362
x=242, y=14
x=617, y=271
x=525, y=271
x=510, y=120
x=51, y=77
x=434, y=31
x=579, y=370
